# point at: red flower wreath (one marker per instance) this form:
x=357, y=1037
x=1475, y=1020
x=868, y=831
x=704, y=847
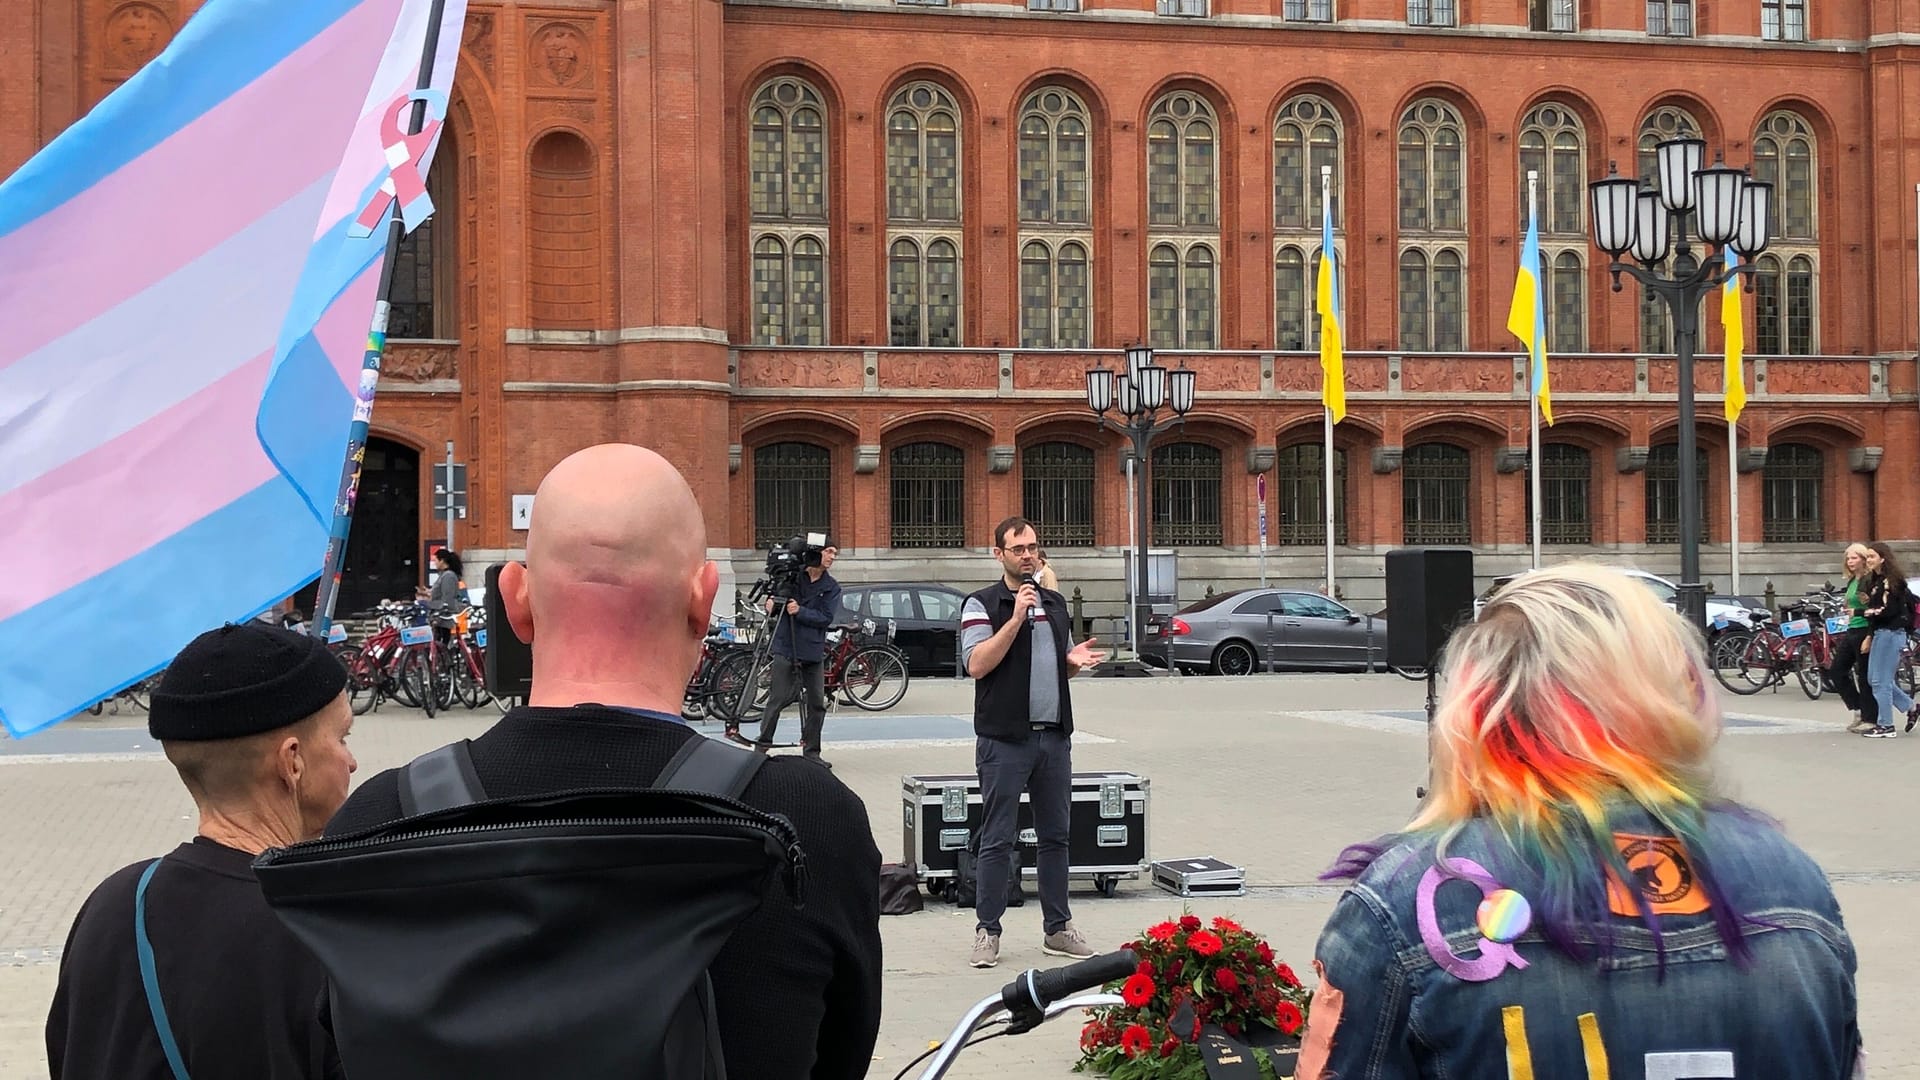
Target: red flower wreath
x=1138, y=990
x=1205, y=942
x=1136, y=1040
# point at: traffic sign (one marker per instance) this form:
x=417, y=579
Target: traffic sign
x=442, y=484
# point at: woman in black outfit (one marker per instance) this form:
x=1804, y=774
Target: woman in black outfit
x=1890, y=615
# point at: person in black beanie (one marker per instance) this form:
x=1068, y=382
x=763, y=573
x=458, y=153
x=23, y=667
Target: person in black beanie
x=176, y=967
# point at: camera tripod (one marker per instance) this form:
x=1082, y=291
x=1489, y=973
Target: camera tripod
x=763, y=661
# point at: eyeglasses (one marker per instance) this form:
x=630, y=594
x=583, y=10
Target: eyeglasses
x=1023, y=549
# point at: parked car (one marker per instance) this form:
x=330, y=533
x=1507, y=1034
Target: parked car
x=1249, y=630
x=1723, y=613
x=926, y=619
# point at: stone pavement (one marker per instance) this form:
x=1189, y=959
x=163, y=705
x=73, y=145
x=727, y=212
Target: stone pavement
x=1273, y=773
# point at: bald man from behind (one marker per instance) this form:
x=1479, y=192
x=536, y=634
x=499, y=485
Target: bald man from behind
x=614, y=598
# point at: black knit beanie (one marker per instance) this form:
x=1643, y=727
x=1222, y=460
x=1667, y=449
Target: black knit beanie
x=243, y=679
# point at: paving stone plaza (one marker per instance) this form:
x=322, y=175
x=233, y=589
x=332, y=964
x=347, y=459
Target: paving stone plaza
x=1272, y=773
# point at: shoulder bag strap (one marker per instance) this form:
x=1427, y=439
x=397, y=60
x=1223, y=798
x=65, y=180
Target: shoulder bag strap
x=439, y=780
x=150, y=980
x=710, y=767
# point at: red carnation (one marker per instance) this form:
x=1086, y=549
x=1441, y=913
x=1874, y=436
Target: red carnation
x=1090, y=1037
x=1162, y=932
x=1263, y=952
x=1189, y=922
x=1137, y=991
x=1226, y=925
x=1231, y=1028
x=1145, y=968
x=1287, y=1017
x=1176, y=967
x=1136, y=1040
x=1205, y=942
x=1167, y=1048
x=1226, y=980
x=1286, y=975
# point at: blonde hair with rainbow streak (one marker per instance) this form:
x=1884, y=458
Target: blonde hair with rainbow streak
x=1576, y=694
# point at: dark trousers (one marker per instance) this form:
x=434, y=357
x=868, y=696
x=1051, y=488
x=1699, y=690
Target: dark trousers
x=1848, y=673
x=1043, y=768
x=813, y=708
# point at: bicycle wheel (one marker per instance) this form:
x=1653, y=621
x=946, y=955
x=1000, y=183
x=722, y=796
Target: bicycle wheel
x=727, y=685
x=363, y=693
x=1728, y=648
x=875, y=678
x=1807, y=668
x=1756, y=668
x=416, y=682
x=405, y=684
x=142, y=692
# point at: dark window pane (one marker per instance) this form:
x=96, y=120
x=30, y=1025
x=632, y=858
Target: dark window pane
x=1056, y=486
x=928, y=488
x=1186, y=494
x=1794, y=478
x=1435, y=482
x=792, y=492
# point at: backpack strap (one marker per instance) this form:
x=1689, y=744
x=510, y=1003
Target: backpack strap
x=710, y=767
x=149, y=977
x=440, y=780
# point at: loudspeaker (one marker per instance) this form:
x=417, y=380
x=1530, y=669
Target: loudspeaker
x=509, y=660
x=1429, y=592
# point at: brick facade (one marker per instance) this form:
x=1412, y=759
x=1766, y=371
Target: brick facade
x=595, y=273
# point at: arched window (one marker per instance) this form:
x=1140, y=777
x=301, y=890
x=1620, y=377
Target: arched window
x=1183, y=221
x=1553, y=144
x=1306, y=137
x=1794, y=480
x=563, y=218
x=787, y=181
x=1186, y=494
x=792, y=491
x=1566, y=499
x=1656, y=323
x=426, y=268
x=928, y=485
x=1303, y=495
x=1666, y=122
x=1432, y=220
x=924, y=216
x=1786, y=303
x=1567, y=303
x=1436, y=480
x=1056, y=232
x=1056, y=489
x=1663, y=493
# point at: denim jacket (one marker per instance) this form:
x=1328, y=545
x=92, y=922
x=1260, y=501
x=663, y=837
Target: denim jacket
x=1393, y=1009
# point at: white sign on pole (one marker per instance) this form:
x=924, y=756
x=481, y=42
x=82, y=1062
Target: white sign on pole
x=1260, y=486
x=522, y=511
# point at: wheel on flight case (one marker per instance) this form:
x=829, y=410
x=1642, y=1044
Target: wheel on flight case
x=1107, y=884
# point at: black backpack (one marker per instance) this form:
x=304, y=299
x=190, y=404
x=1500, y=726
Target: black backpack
x=555, y=935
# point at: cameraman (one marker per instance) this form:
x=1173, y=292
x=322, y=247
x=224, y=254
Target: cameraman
x=800, y=641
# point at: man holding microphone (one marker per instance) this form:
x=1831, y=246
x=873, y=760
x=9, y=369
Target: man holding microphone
x=1015, y=643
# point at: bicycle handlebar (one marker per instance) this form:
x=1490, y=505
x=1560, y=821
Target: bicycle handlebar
x=1035, y=990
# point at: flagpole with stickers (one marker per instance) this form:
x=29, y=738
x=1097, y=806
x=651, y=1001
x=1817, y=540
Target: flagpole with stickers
x=402, y=204
x=1333, y=367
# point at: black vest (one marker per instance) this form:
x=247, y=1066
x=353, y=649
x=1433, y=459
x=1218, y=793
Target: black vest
x=1002, y=698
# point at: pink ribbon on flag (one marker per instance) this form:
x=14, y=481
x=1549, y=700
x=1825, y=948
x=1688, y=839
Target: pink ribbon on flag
x=405, y=154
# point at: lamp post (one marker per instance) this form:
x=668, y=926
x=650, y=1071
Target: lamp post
x=1650, y=221
x=1139, y=394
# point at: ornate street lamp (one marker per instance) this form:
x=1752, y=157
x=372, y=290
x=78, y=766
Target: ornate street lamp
x=1139, y=395
x=1732, y=211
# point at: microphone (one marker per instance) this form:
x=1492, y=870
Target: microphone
x=1029, y=579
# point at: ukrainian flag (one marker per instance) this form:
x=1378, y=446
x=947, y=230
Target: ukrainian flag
x=1528, y=318
x=1333, y=362
x=1735, y=325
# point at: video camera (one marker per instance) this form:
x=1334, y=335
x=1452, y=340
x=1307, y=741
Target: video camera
x=787, y=562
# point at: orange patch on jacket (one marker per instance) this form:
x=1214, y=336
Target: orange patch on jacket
x=1662, y=874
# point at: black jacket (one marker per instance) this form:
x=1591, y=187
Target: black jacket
x=1002, y=697
x=798, y=991
x=804, y=636
x=1895, y=601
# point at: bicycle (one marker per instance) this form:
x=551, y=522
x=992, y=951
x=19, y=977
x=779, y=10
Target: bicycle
x=1031, y=999
x=1749, y=661
x=859, y=670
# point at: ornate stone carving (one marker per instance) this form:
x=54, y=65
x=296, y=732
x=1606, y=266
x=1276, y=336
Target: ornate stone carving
x=1864, y=459
x=999, y=459
x=1631, y=459
x=560, y=55
x=866, y=459
x=733, y=459
x=1386, y=459
x=1752, y=458
x=1260, y=459
x=135, y=33
x=476, y=39
x=1815, y=377
x=1511, y=459
x=1437, y=375
x=420, y=363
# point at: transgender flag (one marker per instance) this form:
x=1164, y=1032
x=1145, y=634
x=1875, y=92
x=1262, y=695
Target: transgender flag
x=185, y=314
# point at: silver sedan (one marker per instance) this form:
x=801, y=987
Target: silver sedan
x=1249, y=630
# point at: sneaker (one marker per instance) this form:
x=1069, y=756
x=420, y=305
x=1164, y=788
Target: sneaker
x=1067, y=941
x=1882, y=733
x=1859, y=726
x=986, y=949
x=1913, y=716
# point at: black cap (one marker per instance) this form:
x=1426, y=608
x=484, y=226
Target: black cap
x=243, y=679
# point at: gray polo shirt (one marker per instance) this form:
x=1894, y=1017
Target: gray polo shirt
x=1043, y=701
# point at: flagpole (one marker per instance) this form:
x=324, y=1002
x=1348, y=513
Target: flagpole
x=1733, y=503
x=1533, y=397
x=1326, y=453
x=329, y=591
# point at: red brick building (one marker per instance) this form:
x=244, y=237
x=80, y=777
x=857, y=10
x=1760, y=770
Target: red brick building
x=847, y=263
